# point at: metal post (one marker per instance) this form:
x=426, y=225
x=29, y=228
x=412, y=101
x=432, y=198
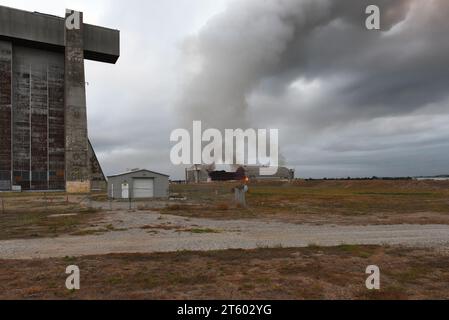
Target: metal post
x=240, y=195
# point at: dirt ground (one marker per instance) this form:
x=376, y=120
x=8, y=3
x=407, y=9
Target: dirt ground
x=150, y=232
x=376, y=202
x=41, y=234
x=308, y=273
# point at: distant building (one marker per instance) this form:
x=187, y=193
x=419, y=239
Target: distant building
x=199, y=173
x=202, y=174
x=436, y=178
x=228, y=176
x=283, y=173
x=138, y=184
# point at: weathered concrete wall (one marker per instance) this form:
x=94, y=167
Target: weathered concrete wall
x=56, y=134
x=39, y=126
x=38, y=108
x=21, y=120
x=5, y=114
x=77, y=187
x=97, y=178
x=43, y=119
x=101, y=44
x=38, y=119
x=47, y=32
x=76, y=144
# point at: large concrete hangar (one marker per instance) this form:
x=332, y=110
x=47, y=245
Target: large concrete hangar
x=43, y=123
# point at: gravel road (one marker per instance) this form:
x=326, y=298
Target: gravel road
x=151, y=232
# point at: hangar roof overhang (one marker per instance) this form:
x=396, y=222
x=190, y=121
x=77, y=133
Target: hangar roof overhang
x=45, y=31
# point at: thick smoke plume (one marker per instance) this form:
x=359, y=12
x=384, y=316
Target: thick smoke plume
x=264, y=40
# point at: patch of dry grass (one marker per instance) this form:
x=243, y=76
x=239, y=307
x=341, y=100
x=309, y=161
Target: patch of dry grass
x=170, y=227
x=326, y=201
x=30, y=216
x=308, y=273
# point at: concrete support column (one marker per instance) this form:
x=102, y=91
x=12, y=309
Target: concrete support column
x=76, y=139
x=5, y=115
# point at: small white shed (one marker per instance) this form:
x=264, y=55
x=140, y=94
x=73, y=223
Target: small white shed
x=139, y=184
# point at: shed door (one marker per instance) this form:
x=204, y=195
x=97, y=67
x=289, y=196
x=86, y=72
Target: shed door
x=143, y=188
x=125, y=191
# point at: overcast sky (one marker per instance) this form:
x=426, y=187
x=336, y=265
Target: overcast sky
x=347, y=101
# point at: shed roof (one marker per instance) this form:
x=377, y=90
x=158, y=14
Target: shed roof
x=141, y=170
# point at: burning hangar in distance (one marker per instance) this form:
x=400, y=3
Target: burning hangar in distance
x=202, y=173
x=44, y=143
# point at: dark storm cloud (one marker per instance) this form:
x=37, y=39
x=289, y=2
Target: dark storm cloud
x=283, y=40
x=312, y=69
